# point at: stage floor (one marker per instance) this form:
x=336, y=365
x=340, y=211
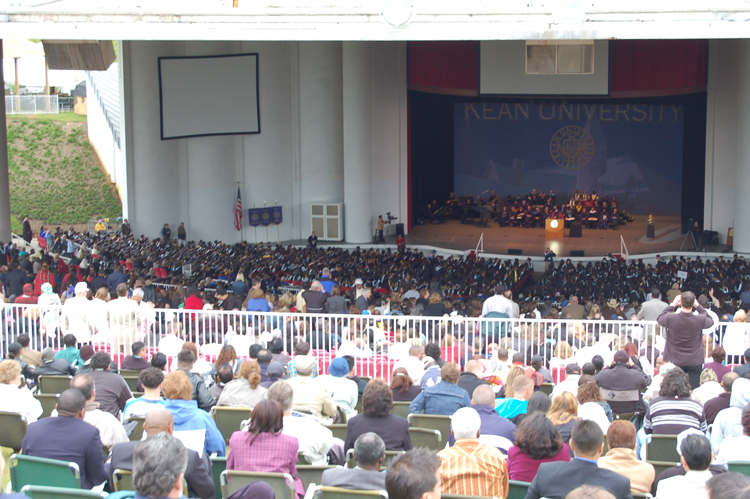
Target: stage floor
x=595, y=242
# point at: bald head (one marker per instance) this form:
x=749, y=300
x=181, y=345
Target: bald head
x=483, y=395
x=158, y=420
x=71, y=404
x=727, y=380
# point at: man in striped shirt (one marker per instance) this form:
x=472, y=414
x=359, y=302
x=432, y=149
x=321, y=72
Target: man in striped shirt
x=470, y=468
x=673, y=412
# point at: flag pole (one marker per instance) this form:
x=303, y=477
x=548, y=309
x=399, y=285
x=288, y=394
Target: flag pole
x=242, y=227
x=278, y=237
x=268, y=239
x=256, y=229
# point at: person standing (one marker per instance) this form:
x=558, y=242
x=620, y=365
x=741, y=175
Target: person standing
x=27, y=234
x=181, y=234
x=549, y=261
x=684, y=347
x=650, y=229
x=381, y=226
x=166, y=233
x=125, y=228
x=498, y=303
x=312, y=241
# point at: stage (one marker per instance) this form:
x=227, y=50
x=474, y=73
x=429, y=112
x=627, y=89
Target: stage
x=594, y=242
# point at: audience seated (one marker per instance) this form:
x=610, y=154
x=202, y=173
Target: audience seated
x=413, y=362
x=185, y=362
x=274, y=373
x=555, y=480
x=197, y=473
x=14, y=393
x=431, y=376
x=469, y=467
x=539, y=402
x=178, y=395
x=151, y=379
x=564, y=415
x=469, y=379
x=570, y=383
x=344, y=392
x=159, y=465
x=728, y=486
x=224, y=374
x=744, y=368
x=68, y=438
x=414, y=475
x=713, y=406
x=402, y=386
x=621, y=458
x=309, y=396
x=377, y=402
x=32, y=357
x=112, y=391
x=444, y=398
x=709, y=387
x=264, y=447
x=70, y=352
x=301, y=353
x=719, y=356
x=590, y=403
x=483, y=401
x=110, y=430
x=734, y=449
x=315, y=440
x=51, y=366
x=137, y=361
x=523, y=389
x=695, y=456
x=621, y=385
x=369, y=453
x=245, y=391
x=673, y=411
x=536, y=442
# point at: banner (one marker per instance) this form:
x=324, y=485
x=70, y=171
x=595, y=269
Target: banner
x=276, y=215
x=629, y=151
x=253, y=216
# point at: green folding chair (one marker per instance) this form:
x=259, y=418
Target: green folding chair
x=53, y=384
x=310, y=474
x=218, y=465
x=229, y=419
x=41, y=492
x=342, y=415
x=131, y=380
x=48, y=401
x=401, y=409
x=358, y=407
x=137, y=434
x=30, y=470
x=130, y=372
x=281, y=483
x=517, y=489
x=663, y=448
x=122, y=480
x=340, y=493
x=12, y=430
x=339, y=430
x=740, y=467
x=547, y=388
x=425, y=437
x=389, y=456
x=660, y=466
x=302, y=459
x=439, y=423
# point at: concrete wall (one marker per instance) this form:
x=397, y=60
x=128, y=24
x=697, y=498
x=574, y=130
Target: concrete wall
x=296, y=160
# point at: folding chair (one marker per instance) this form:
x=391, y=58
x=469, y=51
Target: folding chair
x=663, y=448
x=440, y=423
x=401, y=409
x=53, y=384
x=30, y=470
x=41, y=492
x=740, y=467
x=48, y=401
x=547, y=388
x=310, y=474
x=340, y=493
x=131, y=380
x=660, y=466
x=425, y=437
x=281, y=483
x=389, y=456
x=12, y=430
x=218, y=465
x=122, y=480
x=229, y=419
x=517, y=489
x=339, y=430
x=137, y=434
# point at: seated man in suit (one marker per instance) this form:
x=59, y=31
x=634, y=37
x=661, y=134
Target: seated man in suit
x=198, y=472
x=369, y=452
x=556, y=480
x=68, y=438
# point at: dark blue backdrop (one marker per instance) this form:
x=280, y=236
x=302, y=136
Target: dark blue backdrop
x=631, y=151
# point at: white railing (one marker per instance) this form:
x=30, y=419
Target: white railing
x=31, y=104
x=368, y=338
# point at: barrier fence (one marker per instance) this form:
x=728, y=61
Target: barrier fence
x=32, y=104
x=376, y=342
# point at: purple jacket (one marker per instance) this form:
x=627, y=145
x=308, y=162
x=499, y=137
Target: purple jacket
x=684, y=336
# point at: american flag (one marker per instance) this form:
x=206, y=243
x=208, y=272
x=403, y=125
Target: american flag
x=238, y=211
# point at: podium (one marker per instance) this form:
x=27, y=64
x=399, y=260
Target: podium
x=554, y=228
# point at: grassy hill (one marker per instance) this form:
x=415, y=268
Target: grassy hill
x=55, y=176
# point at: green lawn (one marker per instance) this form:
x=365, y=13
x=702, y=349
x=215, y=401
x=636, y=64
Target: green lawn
x=49, y=117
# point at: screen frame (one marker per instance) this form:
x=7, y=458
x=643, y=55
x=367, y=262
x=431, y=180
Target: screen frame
x=161, y=101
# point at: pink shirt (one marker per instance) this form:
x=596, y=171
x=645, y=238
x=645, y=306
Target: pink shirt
x=269, y=453
x=521, y=467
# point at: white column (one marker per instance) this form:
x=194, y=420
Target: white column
x=4, y=180
x=742, y=183
x=357, y=142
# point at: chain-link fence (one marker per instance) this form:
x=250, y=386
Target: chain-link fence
x=33, y=104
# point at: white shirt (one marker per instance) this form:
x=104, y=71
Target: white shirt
x=343, y=391
x=733, y=449
x=498, y=303
x=414, y=368
x=314, y=439
x=110, y=429
x=592, y=411
x=570, y=384
x=707, y=391
x=20, y=401
x=690, y=486
x=736, y=338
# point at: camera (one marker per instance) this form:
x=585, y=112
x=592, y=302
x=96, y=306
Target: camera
x=389, y=218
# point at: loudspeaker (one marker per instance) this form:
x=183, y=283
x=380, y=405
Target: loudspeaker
x=513, y=251
x=399, y=229
x=575, y=230
x=576, y=253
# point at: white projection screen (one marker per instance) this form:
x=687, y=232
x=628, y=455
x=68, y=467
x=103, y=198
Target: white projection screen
x=208, y=95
